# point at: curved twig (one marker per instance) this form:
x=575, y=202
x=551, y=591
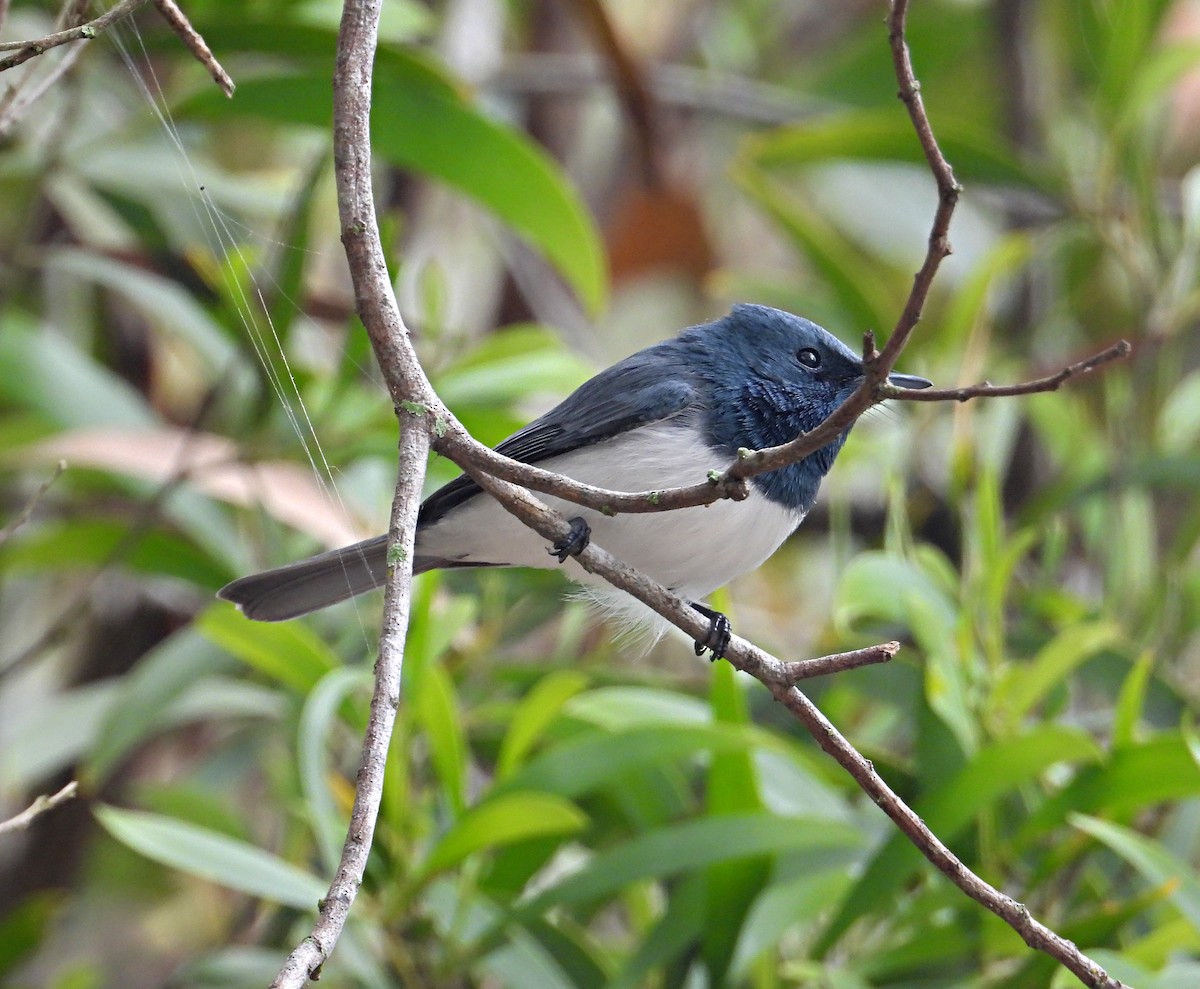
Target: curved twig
x=23, y=51
x=1051, y=382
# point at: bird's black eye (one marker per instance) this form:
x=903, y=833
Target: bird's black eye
x=809, y=358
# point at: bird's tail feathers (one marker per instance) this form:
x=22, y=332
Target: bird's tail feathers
x=308, y=585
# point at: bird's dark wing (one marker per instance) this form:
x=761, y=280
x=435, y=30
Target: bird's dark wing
x=648, y=387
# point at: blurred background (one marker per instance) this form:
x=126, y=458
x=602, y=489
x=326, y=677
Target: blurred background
x=562, y=183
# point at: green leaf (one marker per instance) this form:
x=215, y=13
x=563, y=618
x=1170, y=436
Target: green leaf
x=887, y=135
x=1133, y=778
x=160, y=678
x=857, y=280
x=680, y=926
x=994, y=771
x=437, y=711
x=62, y=383
x=582, y=765
x=289, y=653
x=619, y=708
x=1156, y=864
x=213, y=856
x=732, y=776
x=730, y=887
x=91, y=542
x=1024, y=685
x=165, y=304
x=24, y=927
x=1126, y=32
x=422, y=122
x=537, y=710
x=317, y=722
x=514, y=363
x=694, y=845
x=1131, y=700
x=43, y=738
x=503, y=820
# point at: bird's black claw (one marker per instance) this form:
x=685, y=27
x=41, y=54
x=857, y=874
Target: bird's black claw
x=719, y=634
x=574, y=543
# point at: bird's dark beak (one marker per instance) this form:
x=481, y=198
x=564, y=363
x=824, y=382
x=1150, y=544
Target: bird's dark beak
x=909, y=381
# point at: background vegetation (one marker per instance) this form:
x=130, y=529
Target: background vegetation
x=565, y=809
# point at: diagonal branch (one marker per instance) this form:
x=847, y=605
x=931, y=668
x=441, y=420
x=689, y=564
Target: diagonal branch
x=40, y=806
x=424, y=421
x=23, y=51
x=177, y=20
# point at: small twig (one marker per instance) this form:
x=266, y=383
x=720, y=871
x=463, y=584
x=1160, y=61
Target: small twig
x=23, y=51
x=195, y=44
x=19, y=98
x=24, y=514
x=947, y=187
x=1051, y=382
x=806, y=669
x=40, y=806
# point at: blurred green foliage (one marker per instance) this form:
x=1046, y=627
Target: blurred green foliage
x=563, y=810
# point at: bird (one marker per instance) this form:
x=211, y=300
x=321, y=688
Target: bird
x=662, y=417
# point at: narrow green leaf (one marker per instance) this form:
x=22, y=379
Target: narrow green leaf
x=437, y=711
x=582, y=765
x=730, y=887
x=1024, y=685
x=994, y=771
x=90, y=542
x=63, y=384
x=213, y=856
x=533, y=715
x=619, y=708
x=1156, y=864
x=41, y=739
x=694, y=845
x=161, y=676
x=1131, y=700
x=503, y=820
x=514, y=363
x=317, y=721
x=165, y=304
x=885, y=135
x=290, y=653
x=1133, y=778
x=859, y=282
x=677, y=930
x=419, y=121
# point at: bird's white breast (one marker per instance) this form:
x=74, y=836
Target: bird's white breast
x=693, y=551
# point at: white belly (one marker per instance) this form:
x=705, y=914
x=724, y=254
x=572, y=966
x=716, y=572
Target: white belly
x=693, y=551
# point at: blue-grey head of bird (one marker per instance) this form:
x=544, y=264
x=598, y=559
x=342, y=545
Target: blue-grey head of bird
x=773, y=376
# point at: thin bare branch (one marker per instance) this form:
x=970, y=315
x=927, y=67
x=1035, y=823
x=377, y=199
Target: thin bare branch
x=31, y=505
x=840, y=662
x=40, y=806
x=23, y=51
x=381, y=317
x=1052, y=382
x=424, y=418
x=195, y=44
